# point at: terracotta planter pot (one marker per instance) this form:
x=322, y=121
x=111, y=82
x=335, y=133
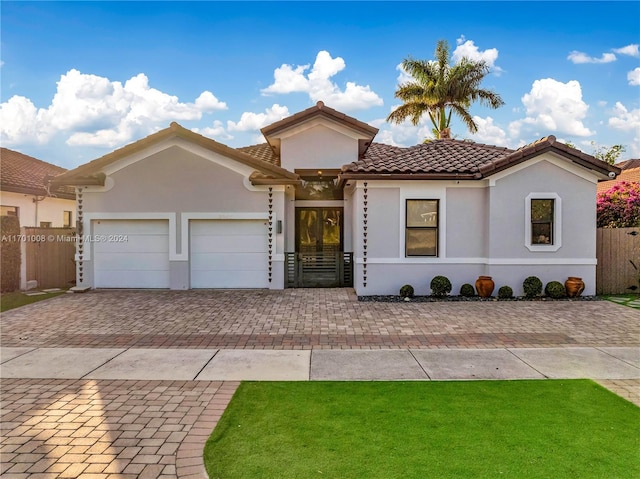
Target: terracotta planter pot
x=484, y=286
x=574, y=286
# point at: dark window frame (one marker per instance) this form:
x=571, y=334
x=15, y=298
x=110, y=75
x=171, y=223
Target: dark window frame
x=435, y=228
x=66, y=224
x=551, y=222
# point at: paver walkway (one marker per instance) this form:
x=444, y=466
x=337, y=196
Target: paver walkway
x=108, y=429
x=114, y=428
x=309, y=319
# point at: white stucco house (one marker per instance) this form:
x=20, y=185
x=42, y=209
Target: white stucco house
x=25, y=192
x=321, y=204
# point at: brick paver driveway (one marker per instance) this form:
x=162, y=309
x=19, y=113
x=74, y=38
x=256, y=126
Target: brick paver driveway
x=310, y=318
x=102, y=429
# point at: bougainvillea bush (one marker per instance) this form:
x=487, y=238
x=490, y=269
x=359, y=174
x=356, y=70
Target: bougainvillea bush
x=619, y=207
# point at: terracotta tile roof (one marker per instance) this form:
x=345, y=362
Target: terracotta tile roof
x=448, y=158
x=629, y=164
x=262, y=152
x=438, y=156
x=21, y=173
x=631, y=175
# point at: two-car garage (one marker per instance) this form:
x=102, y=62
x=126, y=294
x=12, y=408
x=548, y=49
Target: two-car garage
x=223, y=253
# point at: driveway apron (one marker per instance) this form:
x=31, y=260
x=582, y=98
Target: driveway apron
x=129, y=384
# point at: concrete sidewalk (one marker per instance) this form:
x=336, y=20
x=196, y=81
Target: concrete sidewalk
x=304, y=365
x=114, y=413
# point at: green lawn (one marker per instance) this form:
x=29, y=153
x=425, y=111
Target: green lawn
x=477, y=429
x=14, y=300
x=631, y=300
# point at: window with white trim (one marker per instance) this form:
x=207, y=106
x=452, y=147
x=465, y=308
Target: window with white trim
x=542, y=222
x=422, y=220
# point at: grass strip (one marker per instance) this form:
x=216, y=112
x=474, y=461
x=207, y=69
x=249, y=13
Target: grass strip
x=479, y=429
x=15, y=300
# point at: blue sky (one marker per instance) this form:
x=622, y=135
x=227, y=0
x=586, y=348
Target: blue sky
x=80, y=79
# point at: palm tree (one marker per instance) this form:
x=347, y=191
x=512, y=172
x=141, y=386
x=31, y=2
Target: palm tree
x=441, y=89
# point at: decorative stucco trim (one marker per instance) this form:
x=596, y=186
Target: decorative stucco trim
x=557, y=222
x=109, y=183
x=482, y=261
x=89, y=218
x=435, y=192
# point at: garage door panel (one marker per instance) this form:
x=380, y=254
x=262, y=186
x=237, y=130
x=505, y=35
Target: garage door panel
x=229, y=254
x=229, y=262
x=228, y=227
x=133, y=279
x=134, y=254
x=133, y=244
x=239, y=279
x=229, y=243
x=122, y=262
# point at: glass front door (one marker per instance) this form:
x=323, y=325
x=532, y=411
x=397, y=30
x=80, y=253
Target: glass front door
x=319, y=230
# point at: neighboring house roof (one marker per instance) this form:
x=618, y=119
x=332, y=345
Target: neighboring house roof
x=448, y=158
x=629, y=164
x=22, y=173
x=631, y=175
x=92, y=172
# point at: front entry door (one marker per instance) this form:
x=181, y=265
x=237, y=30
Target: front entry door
x=318, y=230
x=319, y=254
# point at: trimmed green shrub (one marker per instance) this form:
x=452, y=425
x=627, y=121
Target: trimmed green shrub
x=10, y=253
x=555, y=289
x=406, y=291
x=532, y=287
x=467, y=290
x=440, y=286
x=505, y=292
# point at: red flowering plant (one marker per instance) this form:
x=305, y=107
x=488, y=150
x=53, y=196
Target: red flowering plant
x=619, y=207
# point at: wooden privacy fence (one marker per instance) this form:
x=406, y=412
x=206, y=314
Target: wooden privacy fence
x=616, y=249
x=48, y=256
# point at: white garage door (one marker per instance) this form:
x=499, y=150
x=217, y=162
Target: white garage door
x=131, y=253
x=229, y=254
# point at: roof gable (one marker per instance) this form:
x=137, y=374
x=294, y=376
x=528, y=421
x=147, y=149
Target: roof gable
x=92, y=173
x=25, y=174
x=362, y=131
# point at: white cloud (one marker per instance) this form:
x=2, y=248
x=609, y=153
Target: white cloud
x=634, y=77
x=318, y=85
x=95, y=111
x=553, y=106
x=403, y=134
x=18, y=119
x=489, y=133
x=207, y=102
x=254, y=121
x=403, y=76
x=468, y=49
x=580, y=57
x=631, y=50
x=217, y=131
x=624, y=119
